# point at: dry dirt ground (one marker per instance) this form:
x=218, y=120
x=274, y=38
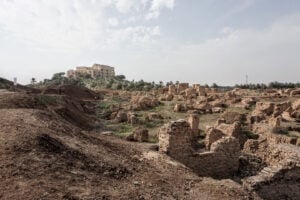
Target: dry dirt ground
x=45, y=155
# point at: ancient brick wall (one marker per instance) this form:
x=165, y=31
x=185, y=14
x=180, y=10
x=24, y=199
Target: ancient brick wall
x=176, y=140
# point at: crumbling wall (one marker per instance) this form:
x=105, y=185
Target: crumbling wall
x=281, y=178
x=271, y=151
x=172, y=89
x=281, y=181
x=194, y=121
x=222, y=161
x=231, y=130
x=181, y=87
x=175, y=139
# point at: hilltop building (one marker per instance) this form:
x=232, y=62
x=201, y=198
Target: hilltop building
x=95, y=71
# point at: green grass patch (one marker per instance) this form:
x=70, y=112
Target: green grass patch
x=208, y=120
x=153, y=139
x=293, y=134
x=122, y=129
x=251, y=135
x=280, y=130
x=104, y=105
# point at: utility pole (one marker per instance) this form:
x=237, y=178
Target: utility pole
x=246, y=79
x=15, y=83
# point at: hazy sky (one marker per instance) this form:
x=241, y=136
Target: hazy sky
x=196, y=41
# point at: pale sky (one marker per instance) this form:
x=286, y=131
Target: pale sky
x=196, y=41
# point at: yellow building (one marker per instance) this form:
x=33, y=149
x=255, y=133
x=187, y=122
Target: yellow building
x=97, y=70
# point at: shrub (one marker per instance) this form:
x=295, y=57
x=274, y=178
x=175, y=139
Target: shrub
x=251, y=135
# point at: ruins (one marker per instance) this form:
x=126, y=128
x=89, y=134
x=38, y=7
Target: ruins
x=176, y=140
x=230, y=139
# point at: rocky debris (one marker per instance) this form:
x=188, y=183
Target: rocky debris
x=201, y=91
x=295, y=92
x=230, y=117
x=190, y=92
x=218, y=103
x=296, y=114
x=181, y=87
x=220, y=121
x=281, y=107
x=281, y=139
x=169, y=97
x=250, y=165
x=139, y=135
x=217, y=110
x=272, y=181
x=230, y=95
x=132, y=118
x=143, y=102
x=201, y=99
x=295, y=111
x=286, y=116
x=264, y=108
x=203, y=107
x=179, y=108
x=275, y=122
x=176, y=140
x=298, y=142
x=296, y=105
x=271, y=150
x=166, y=97
x=154, y=116
x=212, y=135
x=248, y=102
x=233, y=130
x=172, y=90
x=121, y=117
x=281, y=172
x=257, y=117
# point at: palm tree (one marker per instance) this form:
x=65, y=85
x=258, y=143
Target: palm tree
x=33, y=81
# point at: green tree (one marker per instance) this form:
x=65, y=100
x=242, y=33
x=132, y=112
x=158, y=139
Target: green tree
x=120, y=77
x=33, y=81
x=214, y=85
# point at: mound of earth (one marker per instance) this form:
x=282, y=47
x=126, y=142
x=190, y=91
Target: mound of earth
x=70, y=109
x=72, y=91
x=9, y=85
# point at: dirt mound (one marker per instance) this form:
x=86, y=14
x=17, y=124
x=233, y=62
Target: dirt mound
x=74, y=112
x=9, y=85
x=72, y=91
x=21, y=100
x=52, y=145
x=34, y=149
x=71, y=110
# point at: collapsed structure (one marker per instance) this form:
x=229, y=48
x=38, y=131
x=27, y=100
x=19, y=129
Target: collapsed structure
x=176, y=139
x=264, y=166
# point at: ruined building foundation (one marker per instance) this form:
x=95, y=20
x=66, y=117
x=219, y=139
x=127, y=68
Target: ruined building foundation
x=222, y=161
